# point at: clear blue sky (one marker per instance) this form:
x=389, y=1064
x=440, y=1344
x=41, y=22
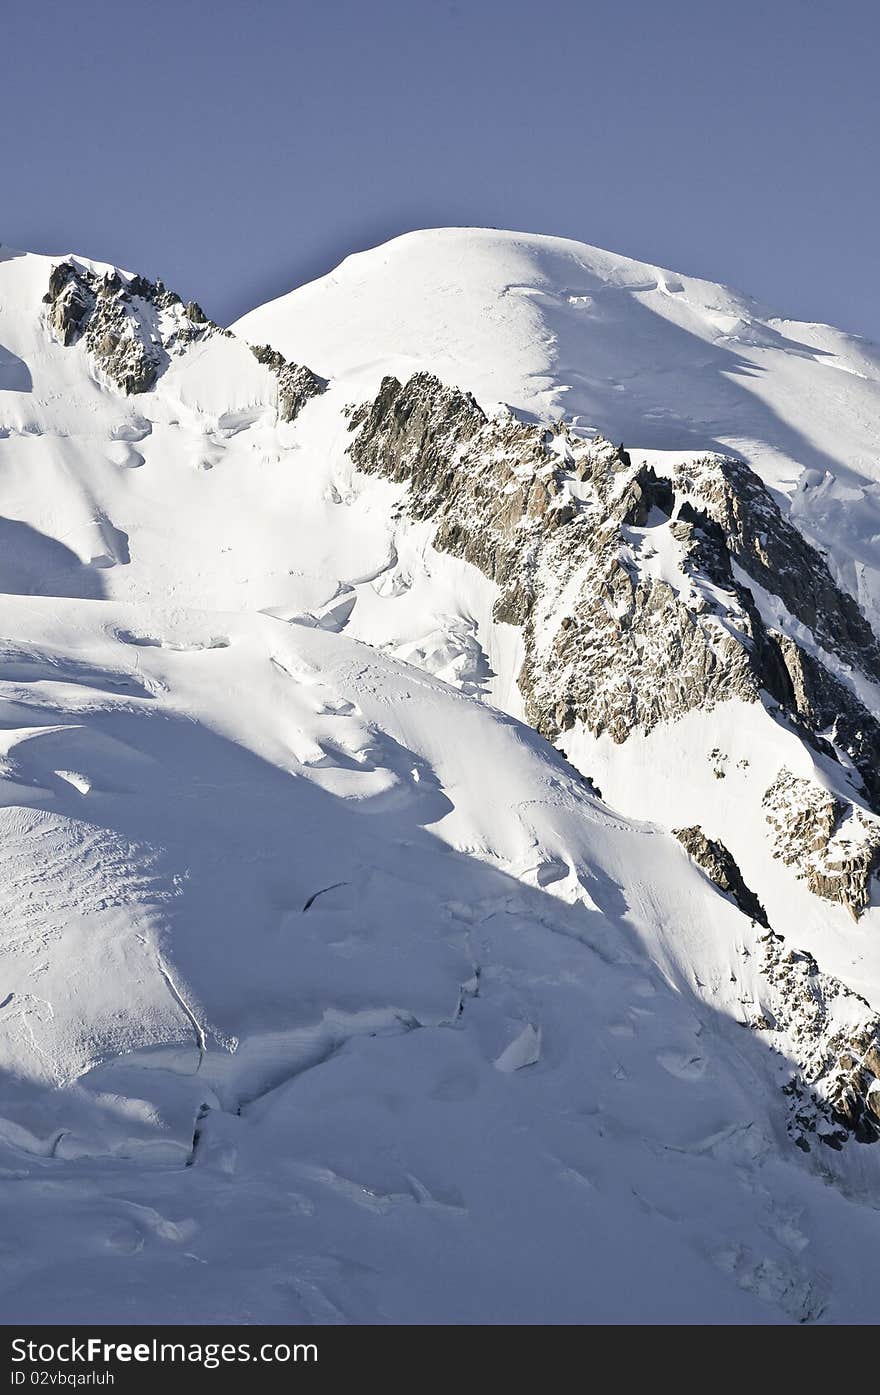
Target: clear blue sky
x=237, y=149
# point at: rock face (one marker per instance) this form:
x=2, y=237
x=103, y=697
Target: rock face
x=834, y=845
x=776, y=556
x=296, y=383
x=629, y=591
x=558, y=523
x=624, y=582
x=130, y=327
x=720, y=867
x=827, y=1030
x=835, y=1040
x=133, y=327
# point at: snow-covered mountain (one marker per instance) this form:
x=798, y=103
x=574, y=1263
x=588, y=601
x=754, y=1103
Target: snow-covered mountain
x=438, y=841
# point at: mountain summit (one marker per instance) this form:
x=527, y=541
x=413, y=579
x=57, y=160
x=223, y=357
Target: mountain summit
x=441, y=810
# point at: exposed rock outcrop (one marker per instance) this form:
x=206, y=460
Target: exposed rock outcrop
x=775, y=555
x=827, y=1030
x=296, y=383
x=721, y=868
x=834, y=1039
x=822, y=704
x=834, y=845
x=550, y=518
x=133, y=327
x=130, y=326
x=624, y=584
x=622, y=581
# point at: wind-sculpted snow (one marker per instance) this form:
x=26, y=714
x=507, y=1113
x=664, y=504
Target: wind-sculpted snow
x=330, y=989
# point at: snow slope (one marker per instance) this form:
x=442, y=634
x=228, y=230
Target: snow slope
x=329, y=991
x=655, y=359
x=430, y=1055
x=675, y=367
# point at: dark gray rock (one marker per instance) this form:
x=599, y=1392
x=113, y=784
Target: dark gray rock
x=296, y=383
x=632, y=652
x=831, y=1092
x=828, y=841
x=775, y=555
x=130, y=327
x=721, y=868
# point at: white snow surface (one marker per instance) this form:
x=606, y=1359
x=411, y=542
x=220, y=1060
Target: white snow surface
x=328, y=990
x=655, y=359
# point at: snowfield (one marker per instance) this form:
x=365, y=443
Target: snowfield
x=330, y=991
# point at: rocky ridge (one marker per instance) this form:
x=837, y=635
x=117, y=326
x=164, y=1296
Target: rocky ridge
x=829, y=1031
x=835, y=1040
x=624, y=587
x=721, y=868
x=132, y=328
x=297, y=384
x=129, y=326
x=834, y=845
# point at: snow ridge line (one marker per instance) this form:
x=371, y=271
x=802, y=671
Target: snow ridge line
x=181, y=1001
